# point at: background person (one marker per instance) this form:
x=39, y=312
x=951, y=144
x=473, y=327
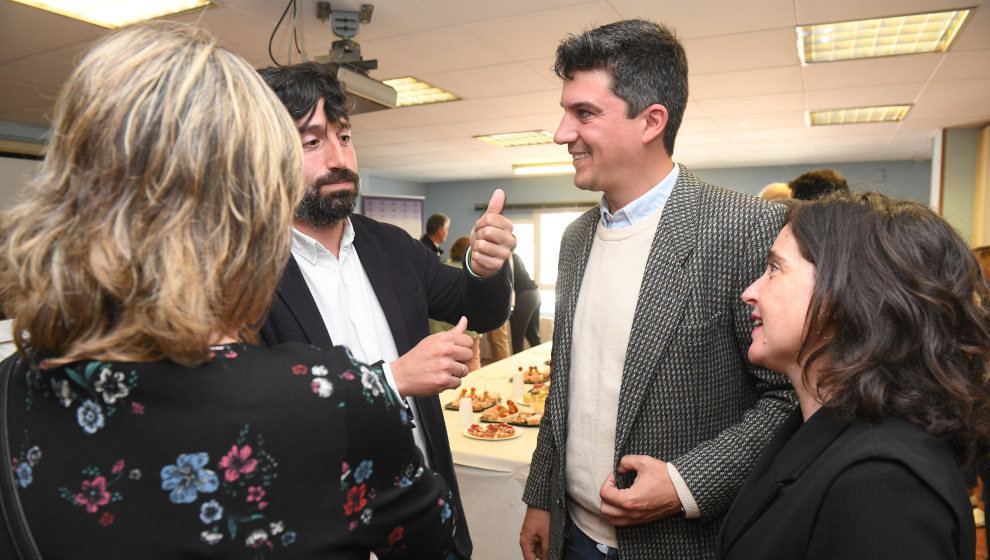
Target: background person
x=817, y=183
x=142, y=423
x=875, y=310
x=499, y=342
x=437, y=228
x=654, y=416
x=776, y=191
x=367, y=285
x=525, y=317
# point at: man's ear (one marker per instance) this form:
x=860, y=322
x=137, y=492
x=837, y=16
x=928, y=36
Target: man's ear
x=654, y=122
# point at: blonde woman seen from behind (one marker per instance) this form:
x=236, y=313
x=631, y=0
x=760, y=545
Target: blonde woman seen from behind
x=142, y=419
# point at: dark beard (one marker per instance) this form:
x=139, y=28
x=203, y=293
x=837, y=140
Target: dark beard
x=319, y=210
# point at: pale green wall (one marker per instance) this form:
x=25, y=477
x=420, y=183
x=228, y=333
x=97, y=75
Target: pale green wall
x=959, y=180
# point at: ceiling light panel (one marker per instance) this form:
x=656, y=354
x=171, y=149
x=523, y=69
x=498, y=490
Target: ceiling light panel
x=513, y=139
x=869, y=38
x=415, y=92
x=858, y=115
x=115, y=13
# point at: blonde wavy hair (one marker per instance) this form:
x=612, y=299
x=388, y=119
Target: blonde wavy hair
x=159, y=220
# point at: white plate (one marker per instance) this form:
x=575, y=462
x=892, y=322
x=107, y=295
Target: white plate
x=513, y=436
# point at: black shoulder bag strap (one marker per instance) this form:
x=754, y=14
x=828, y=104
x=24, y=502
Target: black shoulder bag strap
x=10, y=501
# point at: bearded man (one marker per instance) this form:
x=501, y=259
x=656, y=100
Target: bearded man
x=368, y=285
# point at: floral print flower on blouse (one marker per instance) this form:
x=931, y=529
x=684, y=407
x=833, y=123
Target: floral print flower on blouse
x=408, y=476
x=359, y=496
x=95, y=389
x=237, y=462
x=372, y=378
x=94, y=492
x=224, y=350
x=90, y=416
x=188, y=477
x=231, y=506
x=23, y=465
x=112, y=385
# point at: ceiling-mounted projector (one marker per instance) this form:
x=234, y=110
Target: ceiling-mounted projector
x=369, y=94
x=346, y=62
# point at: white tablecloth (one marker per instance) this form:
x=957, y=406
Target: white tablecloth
x=492, y=474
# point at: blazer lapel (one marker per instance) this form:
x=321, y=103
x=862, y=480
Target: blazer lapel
x=574, y=255
x=662, y=297
x=794, y=449
x=295, y=294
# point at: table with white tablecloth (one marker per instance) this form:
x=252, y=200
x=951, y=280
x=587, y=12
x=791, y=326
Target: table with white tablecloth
x=492, y=474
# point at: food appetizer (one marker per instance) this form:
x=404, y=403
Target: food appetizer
x=478, y=402
x=491, y=431
x=535, y=375
x=509, y=413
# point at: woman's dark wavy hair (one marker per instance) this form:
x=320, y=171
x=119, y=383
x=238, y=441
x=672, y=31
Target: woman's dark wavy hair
x=898, y=321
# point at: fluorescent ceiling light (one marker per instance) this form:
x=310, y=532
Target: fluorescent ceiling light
x=542, y=168
x=414, y=92
x=868, y=38
x=858, y=115
x=115, y=13
x=513, y=139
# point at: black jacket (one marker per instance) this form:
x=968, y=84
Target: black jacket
x=830, y=489
x=412, y=286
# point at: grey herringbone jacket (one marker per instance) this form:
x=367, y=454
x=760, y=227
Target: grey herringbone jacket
x=689, y=395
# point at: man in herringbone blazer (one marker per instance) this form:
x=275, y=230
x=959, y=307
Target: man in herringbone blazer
x=655, y=416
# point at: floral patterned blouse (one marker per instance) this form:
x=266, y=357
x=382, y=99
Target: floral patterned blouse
x=283, y=452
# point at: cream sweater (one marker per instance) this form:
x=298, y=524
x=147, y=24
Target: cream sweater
x=602, y=322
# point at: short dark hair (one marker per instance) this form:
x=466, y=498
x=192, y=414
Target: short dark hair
x=814, y=184
x=436, y=222
x=646, y=62
x=905, y=309
x=301, y=86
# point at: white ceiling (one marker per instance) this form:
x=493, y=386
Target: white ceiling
x=748, y=88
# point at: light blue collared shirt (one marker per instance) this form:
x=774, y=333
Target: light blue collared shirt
x=642, y=207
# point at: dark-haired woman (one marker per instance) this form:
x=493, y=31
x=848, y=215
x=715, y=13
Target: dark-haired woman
x=875, y=310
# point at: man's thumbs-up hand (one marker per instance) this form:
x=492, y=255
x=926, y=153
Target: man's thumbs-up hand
x=491, y=238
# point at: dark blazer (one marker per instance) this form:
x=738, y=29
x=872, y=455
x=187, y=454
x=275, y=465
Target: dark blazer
x=832, y=489
x=412, y=286
x=689, y=394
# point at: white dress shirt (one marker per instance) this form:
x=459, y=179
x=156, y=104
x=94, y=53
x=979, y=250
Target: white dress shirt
x=349, y=307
